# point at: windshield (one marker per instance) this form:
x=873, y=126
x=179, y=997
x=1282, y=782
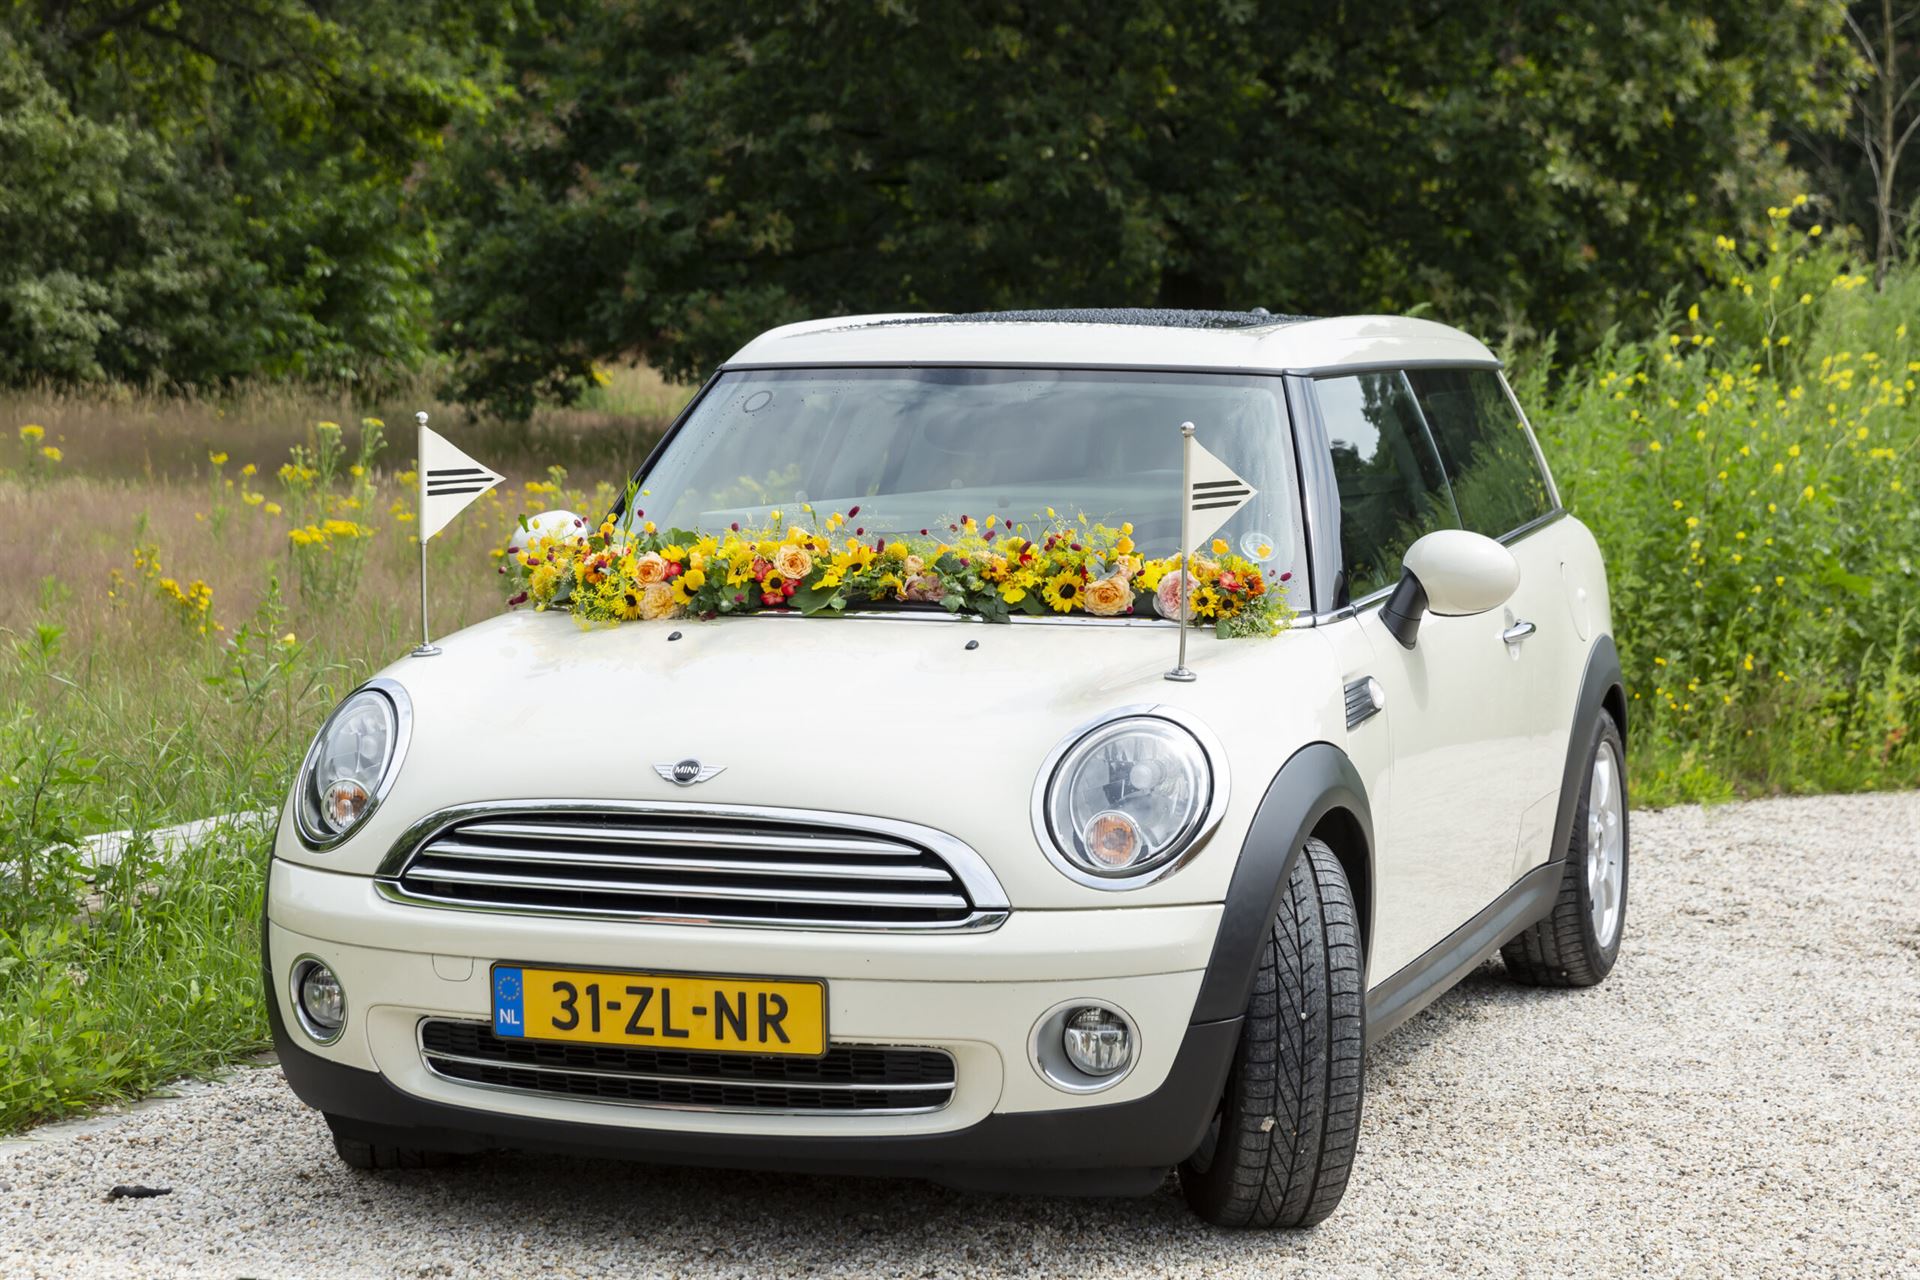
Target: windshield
x=920, y=449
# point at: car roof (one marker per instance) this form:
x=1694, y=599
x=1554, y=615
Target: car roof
x=1127, y=337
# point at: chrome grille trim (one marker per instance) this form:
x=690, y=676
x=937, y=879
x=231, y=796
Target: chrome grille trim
x=750, y=1084
x=747, y=866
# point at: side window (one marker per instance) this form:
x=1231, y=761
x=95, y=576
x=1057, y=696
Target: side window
x=1391, y=485
x=1489, y=461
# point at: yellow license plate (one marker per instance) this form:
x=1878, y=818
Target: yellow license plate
x=661, y=1010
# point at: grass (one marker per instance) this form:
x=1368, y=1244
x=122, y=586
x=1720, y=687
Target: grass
x=167, y=644
x=1751, y=476
x=166, y=650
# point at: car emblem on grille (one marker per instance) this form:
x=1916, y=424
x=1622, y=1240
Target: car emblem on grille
x=687, y=772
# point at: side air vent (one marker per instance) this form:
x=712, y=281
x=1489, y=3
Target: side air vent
x=1365, y=700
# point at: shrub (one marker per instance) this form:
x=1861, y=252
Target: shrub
x=1751, y=478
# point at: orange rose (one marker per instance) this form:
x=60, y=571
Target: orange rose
x=649, y=569
x=792, y=561
x=656, y=601
x=1107, y=597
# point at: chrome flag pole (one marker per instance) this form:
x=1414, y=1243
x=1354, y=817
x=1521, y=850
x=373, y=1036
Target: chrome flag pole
x=1180, y=671
x=427, y=647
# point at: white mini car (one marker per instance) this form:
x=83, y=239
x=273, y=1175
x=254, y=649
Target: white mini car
x=947, y=879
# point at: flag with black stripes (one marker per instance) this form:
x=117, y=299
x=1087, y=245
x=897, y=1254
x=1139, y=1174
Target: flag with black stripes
x=1214, y=495
x=449, y=480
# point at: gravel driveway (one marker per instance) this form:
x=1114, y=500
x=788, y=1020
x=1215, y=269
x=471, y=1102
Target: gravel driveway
x=1743, y=1095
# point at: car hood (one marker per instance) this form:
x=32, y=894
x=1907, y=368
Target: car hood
x=927, y=718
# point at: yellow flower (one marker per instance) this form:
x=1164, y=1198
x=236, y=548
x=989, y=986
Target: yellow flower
x=217, y=458
x=695, y=579
x=31, y=432
x=272, y=508
x=1062, y=591
x=51, y=453
x=1219, y=546
x=1012, y=593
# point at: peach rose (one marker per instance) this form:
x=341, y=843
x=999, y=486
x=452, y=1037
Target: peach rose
x=792, y=561
x=1107, y=597
x=649, y=569
x=1166, y=598
x=656, y=601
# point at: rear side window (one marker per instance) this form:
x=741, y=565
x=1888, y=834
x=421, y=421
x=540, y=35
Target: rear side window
x=1391, y=485
x=1484, y=447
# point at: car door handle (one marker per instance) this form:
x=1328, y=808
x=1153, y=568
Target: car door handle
x=1518, y=631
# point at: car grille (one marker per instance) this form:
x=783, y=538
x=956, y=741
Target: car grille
x=707, y=865
x=848, y=1080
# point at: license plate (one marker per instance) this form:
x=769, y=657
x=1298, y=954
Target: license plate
x=661, y=1010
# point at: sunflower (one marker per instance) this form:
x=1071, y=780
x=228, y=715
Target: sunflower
x=626, y=605
x=1206, y=603
x=1062, y=591
x=1229, y=605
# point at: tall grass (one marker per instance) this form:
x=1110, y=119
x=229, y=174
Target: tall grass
x=176, y=615
x=1751, y=477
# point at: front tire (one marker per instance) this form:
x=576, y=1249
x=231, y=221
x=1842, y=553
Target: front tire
x=1281, y=1147
x=1577, y=944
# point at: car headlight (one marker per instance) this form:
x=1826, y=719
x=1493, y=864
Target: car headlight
x=1119, y=804
x=351, y=763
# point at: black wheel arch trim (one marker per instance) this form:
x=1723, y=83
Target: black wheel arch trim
x=1602, y=678
x=1316, y=780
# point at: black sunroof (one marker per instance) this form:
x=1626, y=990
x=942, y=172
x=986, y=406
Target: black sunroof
x=1159, y=317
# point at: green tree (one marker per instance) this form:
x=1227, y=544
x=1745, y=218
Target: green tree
x=680, y=176
x=199, y=190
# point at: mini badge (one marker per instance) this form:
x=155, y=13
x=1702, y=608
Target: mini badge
x=687, y=772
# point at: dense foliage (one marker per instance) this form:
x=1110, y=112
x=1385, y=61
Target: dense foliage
x=197, y=192
x=681, y=176
x=1751, y=476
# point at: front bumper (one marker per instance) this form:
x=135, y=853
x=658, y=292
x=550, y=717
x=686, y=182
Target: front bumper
x=976, y=996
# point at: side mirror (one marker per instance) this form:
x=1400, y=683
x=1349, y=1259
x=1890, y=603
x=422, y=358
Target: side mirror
x=1452, y=573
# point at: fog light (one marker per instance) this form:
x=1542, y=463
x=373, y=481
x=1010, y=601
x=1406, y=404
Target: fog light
x=319, y=1000
x=1098, y=1041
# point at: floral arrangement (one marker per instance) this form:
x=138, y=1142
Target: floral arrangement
x=989, y=568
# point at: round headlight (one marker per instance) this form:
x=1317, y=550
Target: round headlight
x=350, y=763
x=1124, y=801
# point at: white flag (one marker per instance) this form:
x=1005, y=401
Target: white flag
x=1214, y=494
x=449, y=480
